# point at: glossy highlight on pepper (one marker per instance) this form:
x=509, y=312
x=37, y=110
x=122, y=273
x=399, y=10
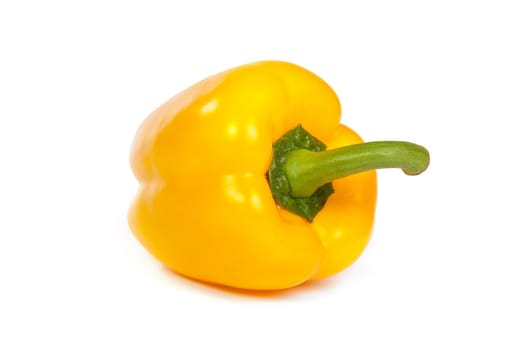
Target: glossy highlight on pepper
x=205, y=207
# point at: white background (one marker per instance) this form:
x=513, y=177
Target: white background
x=445, y=268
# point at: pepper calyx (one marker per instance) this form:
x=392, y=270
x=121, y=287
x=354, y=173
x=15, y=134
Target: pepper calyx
x=307, y=206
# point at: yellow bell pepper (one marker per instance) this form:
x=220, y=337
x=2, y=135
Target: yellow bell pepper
x=205, y=207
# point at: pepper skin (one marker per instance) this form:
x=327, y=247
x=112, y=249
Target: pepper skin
x=204, y=207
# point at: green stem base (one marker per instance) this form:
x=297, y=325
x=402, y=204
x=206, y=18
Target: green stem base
x=308, y=206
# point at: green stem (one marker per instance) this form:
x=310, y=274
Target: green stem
x=307, y=171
